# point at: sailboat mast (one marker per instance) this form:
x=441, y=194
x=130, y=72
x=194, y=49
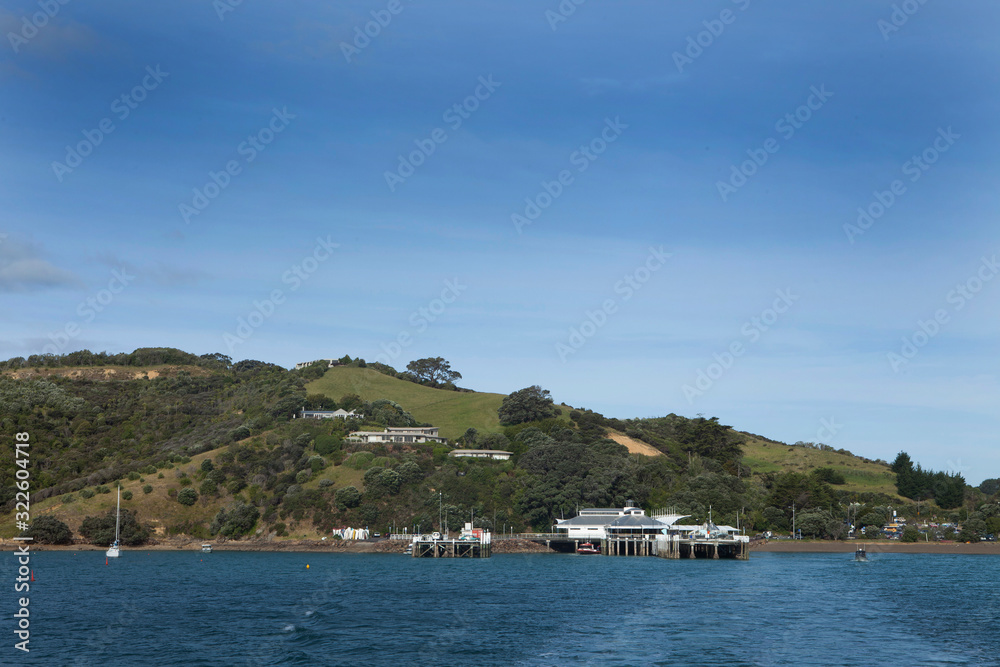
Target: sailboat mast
x=118, y=513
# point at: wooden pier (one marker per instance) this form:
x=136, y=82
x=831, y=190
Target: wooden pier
x=428, y=548
x=673, y=546
x=665, y=546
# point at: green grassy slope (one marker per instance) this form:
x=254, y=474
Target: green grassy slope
x=453, y=412
x=862, y=476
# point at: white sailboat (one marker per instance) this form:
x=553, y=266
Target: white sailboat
x=114, y=551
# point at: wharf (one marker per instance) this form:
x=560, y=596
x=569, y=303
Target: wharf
x=664, y=546
x=431, y=548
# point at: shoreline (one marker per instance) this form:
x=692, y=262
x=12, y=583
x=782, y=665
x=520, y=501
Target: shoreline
x=797, y=546
x=290, y=546
x=511, y=546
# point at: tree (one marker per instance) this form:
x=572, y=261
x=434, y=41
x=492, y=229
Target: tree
x=239, y=519
x=320, y=402
x=434, y=371
x=388, y=413
x=49, y=530
x=813, y=523
x=526, y=405
x=829, y=475
x=187, y=496
x=910, y=534
x=348, y=497
x=495, y=441
x=350, y=402
x=101, y=529
x=989, y=487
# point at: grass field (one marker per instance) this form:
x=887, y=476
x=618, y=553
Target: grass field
x=452, y=411
x=862, y=476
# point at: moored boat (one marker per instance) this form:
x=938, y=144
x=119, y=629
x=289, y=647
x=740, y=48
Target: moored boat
x=114, y=551
x=587, y=548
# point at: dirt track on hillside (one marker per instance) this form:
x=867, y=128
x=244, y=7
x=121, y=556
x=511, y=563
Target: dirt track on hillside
x=634, y=446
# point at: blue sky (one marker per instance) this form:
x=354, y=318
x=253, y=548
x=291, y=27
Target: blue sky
x=642, y=138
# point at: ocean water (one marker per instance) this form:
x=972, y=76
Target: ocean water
x=226, y=608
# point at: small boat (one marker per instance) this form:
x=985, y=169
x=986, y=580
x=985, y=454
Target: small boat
x=114, y=551
x=861, y=554
x=207, y=548
x=587, y=548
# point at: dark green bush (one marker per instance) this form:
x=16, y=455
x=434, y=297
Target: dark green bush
x=49, y=530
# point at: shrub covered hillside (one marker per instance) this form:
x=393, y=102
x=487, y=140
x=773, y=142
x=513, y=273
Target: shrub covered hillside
x=87, y=431
x=205, y=447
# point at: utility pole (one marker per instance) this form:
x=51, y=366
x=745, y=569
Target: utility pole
x=793, y=520
x=439, y=511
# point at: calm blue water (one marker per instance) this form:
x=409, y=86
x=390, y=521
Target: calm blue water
x=162, y=608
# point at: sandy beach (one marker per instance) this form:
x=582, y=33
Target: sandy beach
x=805, y=546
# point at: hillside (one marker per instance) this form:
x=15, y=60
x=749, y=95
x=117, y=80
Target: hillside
x=452, y=411
x=862, y=475
x=221, y=437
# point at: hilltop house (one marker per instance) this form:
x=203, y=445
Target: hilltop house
x=497, y=454
x=330, y=363
x=328, y=414
x=404, y=434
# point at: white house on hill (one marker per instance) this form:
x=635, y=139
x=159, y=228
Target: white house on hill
x=328, y=414
x=398, y=434
x=497, y=454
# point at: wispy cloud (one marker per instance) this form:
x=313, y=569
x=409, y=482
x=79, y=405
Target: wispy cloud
x=23, y=269
x=164, y=275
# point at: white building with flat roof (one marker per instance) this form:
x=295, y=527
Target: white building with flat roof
x=328, y=414
x=398, y=435
x=497, y=454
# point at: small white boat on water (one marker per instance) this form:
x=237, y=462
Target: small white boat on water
x=114, y=551
x=206, y=548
